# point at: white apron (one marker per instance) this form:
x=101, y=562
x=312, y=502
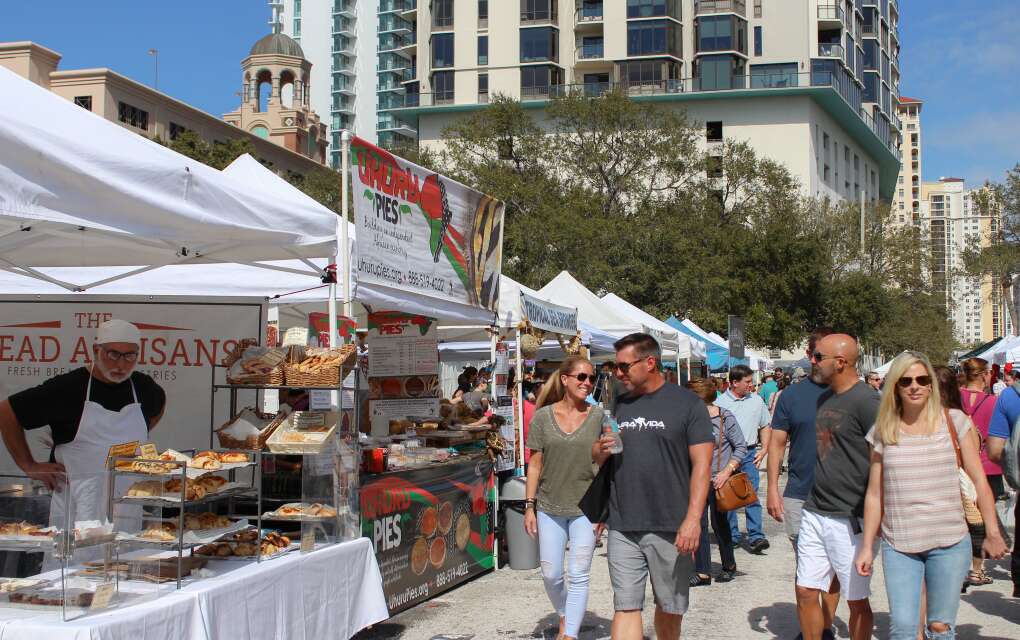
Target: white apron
x=84, y=458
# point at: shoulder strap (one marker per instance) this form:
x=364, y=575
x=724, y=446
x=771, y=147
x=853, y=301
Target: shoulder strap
x=956, y=439
x=718, y=446
x=973, y=410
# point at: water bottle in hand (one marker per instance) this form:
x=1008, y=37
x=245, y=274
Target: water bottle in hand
x=612, y=429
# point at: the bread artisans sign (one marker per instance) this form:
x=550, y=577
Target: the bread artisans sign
x=431, y=528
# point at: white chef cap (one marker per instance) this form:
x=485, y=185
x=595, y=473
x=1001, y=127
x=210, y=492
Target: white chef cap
x=118, y=331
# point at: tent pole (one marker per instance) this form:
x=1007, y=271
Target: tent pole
x=345, y=250
x=520, y=403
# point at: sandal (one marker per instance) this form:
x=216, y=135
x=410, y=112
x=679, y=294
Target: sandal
x=700, y=581
x=976, y=578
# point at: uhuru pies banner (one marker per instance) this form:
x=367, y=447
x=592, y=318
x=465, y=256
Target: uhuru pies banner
x=423, y=233
x=181, y=340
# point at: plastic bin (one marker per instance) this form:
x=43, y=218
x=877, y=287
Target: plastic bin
x=522, y=548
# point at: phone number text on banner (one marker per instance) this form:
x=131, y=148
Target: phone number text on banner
x=421, y=232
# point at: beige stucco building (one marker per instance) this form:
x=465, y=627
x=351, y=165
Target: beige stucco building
x=146, y=111
x=810, y=84
x=906, y=204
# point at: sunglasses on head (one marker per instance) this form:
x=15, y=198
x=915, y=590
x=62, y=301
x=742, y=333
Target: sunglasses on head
x=906, y=381
x=582, y=377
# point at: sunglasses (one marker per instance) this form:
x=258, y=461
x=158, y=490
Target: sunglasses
x=906, y=381
x=818, y=356
x=624, y=367
x=582, y=377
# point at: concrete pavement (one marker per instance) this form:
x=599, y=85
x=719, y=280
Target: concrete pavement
x=759, y=603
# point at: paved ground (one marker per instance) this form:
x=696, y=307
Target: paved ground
x=512, y=605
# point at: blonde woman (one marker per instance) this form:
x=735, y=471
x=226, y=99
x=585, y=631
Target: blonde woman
x=561, y=436
x=914, y=496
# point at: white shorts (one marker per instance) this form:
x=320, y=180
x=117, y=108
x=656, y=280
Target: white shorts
x=827, y=547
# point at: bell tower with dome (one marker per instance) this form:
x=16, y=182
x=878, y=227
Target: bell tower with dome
x=275, y=95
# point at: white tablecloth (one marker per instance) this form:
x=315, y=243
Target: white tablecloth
x=332, y=592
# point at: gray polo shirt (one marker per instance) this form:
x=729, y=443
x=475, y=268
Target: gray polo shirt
x=751, y=413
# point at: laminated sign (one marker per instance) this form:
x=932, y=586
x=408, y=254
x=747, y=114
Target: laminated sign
x=420, y=232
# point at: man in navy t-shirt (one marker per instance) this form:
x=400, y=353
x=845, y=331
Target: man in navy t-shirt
x=1007, y=410
x=793, y=421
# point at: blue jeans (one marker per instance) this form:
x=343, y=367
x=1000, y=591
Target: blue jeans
x=569, y=600
x=942, y=570
x=752, y=511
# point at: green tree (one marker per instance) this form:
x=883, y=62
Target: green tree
x=217, y=155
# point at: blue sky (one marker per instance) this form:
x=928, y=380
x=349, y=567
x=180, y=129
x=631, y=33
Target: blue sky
x=955, y=57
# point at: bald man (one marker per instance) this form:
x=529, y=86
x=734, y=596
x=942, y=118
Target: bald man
x=830, y=529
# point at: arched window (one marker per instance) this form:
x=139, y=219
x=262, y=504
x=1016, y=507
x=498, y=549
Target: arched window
x=287, y=89
x=260, y=131
x=264, y=87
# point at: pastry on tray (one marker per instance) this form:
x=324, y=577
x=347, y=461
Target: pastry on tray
x=206, y=460
x=208, y=520
x=193, y=490
x=211, y=483
x=230, y=457
x=145, y=489
x=160, y=531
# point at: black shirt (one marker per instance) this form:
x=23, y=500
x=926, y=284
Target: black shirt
x=652, y=476
x=843, y=455
x=59, y=401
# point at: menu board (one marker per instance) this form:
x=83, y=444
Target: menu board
x=403, y=368
x=431, y=528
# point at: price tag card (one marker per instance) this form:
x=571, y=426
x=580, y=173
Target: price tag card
x=308, y=541
x=296, y=336
x=103, y=596
x=320, y=399
x=123, y=450
x=149, y=450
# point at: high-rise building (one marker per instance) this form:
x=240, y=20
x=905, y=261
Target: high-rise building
x=339, y=38
x=906, y=204
x=811, y=84
x=954, y=219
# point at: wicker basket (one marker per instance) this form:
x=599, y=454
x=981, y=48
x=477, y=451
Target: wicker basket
x=300, y=375
x=238, y=351
x=274, y=378
x=252, y=442
x=531, y=340
x=571, y=347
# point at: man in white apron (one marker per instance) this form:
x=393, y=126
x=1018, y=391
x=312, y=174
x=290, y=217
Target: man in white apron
x=88, y=410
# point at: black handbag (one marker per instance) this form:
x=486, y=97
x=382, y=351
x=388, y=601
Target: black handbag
x=594, y=503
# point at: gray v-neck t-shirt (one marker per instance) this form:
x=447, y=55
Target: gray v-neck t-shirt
x=567, y=469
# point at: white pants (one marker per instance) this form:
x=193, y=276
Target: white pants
x=827, y=547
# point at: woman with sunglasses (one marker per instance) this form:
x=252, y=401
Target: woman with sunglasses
x=730, y=449
x=914, y=496
x=561, y=436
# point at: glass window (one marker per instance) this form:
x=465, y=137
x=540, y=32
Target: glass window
x=720, y=33
x=871, y=54
x=537, y=80
x=592, y=47
x=538, y=10
x=650, y=37
x=774, y=75
x=483, y=87
x=85, y=102
x=442, y=86
x=757, y=8
x=442, y=13
x=714, y=131
x=871, y=87
x=483, y=9
x=538, y=44
x=718, y=72
x=652, y=8
x=442, y=50
x=757, y=41
x=133, y=116
x=483, y=49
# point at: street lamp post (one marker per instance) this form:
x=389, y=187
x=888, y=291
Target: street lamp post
x=155, y=63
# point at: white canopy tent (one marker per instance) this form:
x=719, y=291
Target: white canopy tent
x=78, y=191
x=565, y=289
x=686, y=347
x=1003, y=351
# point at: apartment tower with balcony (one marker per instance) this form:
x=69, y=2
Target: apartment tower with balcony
x=812, y=84
x=339, y=38
x=906, y=204
x=953, y=219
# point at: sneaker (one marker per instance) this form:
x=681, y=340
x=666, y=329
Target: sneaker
x=828, y=634
x=726, y=575
x=758, y=546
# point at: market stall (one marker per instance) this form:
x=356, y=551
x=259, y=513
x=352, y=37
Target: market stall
x=430, y=252
x=168, y=525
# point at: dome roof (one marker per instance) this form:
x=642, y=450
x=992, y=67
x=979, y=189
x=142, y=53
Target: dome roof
x=278, y=44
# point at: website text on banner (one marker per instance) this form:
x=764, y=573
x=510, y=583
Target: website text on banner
x=424, y=233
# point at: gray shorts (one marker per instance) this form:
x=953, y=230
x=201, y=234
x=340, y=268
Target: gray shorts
x=791, y=519
x=635, y=557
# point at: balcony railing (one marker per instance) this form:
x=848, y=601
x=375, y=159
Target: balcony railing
x=869, y=30
x=588, y=14
x=830, y=12
x=830, y=50
x=445, y=22
x=538, y=17
x=590, y=52
x=720, y=6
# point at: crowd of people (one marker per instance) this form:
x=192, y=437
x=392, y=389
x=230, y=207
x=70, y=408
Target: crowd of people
x=906, y=467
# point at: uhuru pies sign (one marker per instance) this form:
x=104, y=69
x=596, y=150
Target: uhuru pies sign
x=181, y=340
